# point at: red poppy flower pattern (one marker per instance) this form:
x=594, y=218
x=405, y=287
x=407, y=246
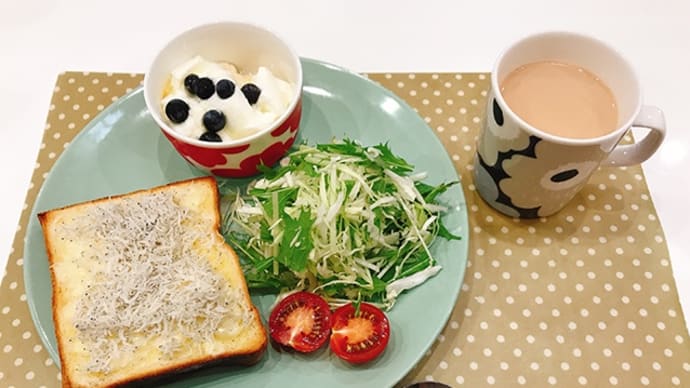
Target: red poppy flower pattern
x=221, y=161
x=248, y=166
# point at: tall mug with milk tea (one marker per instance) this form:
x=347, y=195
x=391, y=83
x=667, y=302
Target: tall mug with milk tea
x=558, y=107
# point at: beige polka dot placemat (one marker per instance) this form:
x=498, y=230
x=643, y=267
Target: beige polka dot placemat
x=583, y=298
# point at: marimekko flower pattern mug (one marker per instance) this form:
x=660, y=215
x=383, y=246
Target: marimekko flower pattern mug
x=525, y=172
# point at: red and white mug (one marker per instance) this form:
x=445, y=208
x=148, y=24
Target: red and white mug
x=247, y=47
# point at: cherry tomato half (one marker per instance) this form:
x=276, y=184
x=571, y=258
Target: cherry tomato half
x=359, y=338
x=301, y=321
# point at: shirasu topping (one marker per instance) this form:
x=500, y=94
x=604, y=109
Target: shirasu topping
x=148, y=279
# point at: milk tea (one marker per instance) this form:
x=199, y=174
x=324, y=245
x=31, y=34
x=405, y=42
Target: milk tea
x=561, y=99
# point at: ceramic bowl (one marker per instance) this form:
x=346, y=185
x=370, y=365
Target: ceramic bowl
x=247, y=47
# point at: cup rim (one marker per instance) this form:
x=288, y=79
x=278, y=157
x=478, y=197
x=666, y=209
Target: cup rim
x=615, y=134
x=154, y=110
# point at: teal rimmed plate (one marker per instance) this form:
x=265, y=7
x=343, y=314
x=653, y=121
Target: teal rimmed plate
x=122, y=150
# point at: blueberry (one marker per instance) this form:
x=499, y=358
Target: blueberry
x=210, y=136
x=177, y=110
x=225, y=88
x=214, y=120
x=204, y=88
x=190, y=83
x=251, y=93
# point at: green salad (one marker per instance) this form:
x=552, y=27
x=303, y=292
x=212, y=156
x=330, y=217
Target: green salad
x=347, y=221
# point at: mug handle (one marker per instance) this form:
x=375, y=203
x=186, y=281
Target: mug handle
x=649, y=117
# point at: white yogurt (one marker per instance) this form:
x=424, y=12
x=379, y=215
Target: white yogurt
x=242, y=119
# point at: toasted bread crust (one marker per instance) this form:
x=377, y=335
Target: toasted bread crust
x=243, y=357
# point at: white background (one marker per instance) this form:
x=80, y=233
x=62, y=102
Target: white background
x=39, y=39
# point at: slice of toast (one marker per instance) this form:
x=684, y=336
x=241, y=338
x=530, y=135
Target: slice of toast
x=145, y=287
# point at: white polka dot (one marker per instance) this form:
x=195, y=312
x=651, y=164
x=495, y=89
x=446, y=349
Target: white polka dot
x=625, y=366
x=589, y=338
x=504, y=365
x=547, y=352
x=517, y=352
x=37, y=348
x=460, y=380
x=500, y=339
x=607, y=352
x=637, y=352
x=443, y=365
x=26, y=335
x=675, y=380
x=613, y=380
x=534, y=366
x=473, y=365
x=594, y=365
x=7, y=348
x=649, y=338
x=644, y=380
x=29, y=375
x=521, y=380
x=668, y=352
x=656, y=366
x=18, y=361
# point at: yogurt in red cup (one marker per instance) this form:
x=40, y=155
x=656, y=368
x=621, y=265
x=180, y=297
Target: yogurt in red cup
x=228, y=96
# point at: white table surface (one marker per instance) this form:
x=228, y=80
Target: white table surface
x=41, y=38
